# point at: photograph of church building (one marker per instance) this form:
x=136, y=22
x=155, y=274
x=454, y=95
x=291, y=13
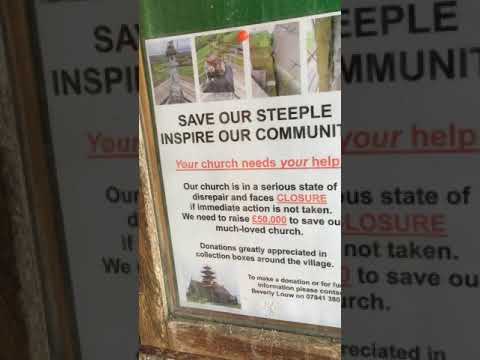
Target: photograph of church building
x=209, y=291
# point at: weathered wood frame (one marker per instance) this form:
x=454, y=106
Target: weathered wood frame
x=36, y=217
x=163, y=326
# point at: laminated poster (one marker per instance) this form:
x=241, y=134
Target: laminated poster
x=248, y=130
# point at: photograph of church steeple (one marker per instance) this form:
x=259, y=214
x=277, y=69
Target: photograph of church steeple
x=172, y=71
x=208, y=291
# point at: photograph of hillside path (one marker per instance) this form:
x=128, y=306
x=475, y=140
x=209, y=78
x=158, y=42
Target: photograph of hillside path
x=220, y=66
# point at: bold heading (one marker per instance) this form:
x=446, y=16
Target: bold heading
x=411, y=18
x=110, y=79
x=404, y=60
x=197, y=122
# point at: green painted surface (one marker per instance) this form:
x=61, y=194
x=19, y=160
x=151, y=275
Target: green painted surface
x=174, y=17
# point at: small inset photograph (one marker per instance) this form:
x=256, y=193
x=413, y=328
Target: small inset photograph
x=275, y=59
x=221, y=66
x=204, y=289
x=172, y=71
x=324, y=54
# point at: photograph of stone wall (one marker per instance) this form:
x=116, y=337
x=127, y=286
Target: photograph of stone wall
x=275, y=59
x=172, y=71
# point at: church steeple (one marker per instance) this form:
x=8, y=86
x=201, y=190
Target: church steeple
x=208, y=277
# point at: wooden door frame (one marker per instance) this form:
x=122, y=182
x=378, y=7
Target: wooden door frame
x=160, y=328
x=37, y=188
